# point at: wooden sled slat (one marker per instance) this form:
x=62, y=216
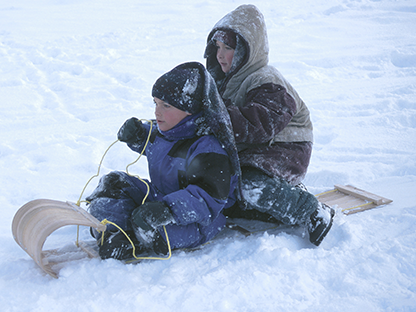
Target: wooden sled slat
x=37, y=219
x=351, y=199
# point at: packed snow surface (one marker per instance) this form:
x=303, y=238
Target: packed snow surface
x=71, y=72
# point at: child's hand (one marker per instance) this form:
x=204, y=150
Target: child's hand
x=146, y=218
x=132, y=131
x=153, y=214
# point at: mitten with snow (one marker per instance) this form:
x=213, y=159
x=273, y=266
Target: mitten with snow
x=132, y=131
x=146, y=219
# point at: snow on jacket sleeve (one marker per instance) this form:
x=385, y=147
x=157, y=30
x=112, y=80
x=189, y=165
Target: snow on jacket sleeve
x=206, y=185
x=267, y=110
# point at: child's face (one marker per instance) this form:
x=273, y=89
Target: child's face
x=167, y=116
x=225, y=56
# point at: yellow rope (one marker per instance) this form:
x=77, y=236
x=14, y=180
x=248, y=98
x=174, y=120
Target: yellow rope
x=327, y=192
x=105, y=153
x=97, y=174
x=105, y=221
x=78, y=203
x=355, y=207
x=127, y=168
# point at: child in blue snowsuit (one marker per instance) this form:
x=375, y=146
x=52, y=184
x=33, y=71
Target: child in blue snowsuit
x=193, y=168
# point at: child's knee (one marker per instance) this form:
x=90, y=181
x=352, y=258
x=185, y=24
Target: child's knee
x=110, y=186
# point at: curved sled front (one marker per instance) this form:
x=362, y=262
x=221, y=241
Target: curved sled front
x=39, y=218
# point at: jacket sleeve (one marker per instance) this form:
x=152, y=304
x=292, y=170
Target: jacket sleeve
x=207, y=183
x=267, y=111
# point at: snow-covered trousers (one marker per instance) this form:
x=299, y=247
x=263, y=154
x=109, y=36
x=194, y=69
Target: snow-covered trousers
x=116, y=196
x=272, y=199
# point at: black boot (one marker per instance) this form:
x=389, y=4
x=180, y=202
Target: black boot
x=320, y=223
x=116, y=245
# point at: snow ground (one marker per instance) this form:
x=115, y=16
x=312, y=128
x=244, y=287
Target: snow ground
x=71, y=72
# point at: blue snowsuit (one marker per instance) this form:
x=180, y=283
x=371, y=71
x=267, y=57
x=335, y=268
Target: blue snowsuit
x=191, y=174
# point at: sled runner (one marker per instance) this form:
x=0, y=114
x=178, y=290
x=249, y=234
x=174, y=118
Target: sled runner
x=351, y=199
x=39, y=218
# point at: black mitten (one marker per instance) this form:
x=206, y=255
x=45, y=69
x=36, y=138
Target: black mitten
x=147, y=218
x=132, y=131
x=152, y=215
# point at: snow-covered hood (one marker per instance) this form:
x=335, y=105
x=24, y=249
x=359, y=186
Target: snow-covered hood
x=253, y=69
x=248, y=22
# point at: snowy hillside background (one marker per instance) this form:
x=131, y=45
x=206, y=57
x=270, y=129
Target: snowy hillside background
x=71, y=72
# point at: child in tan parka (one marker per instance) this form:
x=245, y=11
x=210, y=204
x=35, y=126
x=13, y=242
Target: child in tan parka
x=271, y=123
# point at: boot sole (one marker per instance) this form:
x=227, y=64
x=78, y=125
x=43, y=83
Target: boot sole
x=318, y=241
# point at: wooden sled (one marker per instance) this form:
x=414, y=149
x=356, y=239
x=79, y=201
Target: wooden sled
x=351, y=199
x=39, y=218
